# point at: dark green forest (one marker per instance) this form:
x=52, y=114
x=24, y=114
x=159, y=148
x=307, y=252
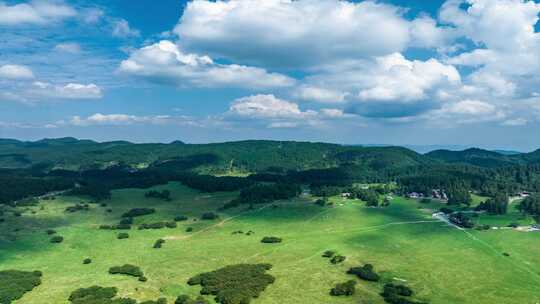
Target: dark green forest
x=270, y=170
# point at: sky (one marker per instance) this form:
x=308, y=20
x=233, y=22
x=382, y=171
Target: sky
x=400, y=72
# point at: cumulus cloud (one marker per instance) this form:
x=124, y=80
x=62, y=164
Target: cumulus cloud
x=402, y=80
x=68, y=47
x=508, y=45
x=267, y=106
x=164, y=62
x=319, y=94
x=273, y=112
x=35, y=12
x=67, y=91
x=122, y=29
x=117, y=119
x=388, y=86
x=467, y=111
x=11, y=71
x=304, y=33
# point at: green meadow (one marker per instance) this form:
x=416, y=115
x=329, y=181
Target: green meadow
x=404, y=243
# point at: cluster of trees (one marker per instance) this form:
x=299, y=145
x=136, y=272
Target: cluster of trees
x=163, y=194
x=344, y=289
x=14, y=284
x=138, y=212
x=531, y=205
x=209, y=216
x=57, y=239
x=180, y=218
x=264, y=193
x=497, y=204
x=461, y=219
x=271, y=239
x=234, y=284
x=77, y=207
x=337, y=259
x=158, y=225
x=366, y=272
x=128, y=269
x=98, y=295
x=397, y=294
x=370, y=196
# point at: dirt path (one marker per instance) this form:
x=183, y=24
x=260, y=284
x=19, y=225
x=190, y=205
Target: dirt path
x=219, y=224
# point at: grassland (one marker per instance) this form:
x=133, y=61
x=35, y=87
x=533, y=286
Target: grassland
x=442, y=264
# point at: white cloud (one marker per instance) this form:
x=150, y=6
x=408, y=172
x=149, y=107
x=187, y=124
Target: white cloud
x=11, y=71
x=332, y=113
x=35, y=12
x=466, y=111
x=122, y=29
x=68, y=47
x=267, y=106
x=515, y=122
x=68, y=91
x=164, y=62
x=398, y=79
x=286, y=33
x=118, y=119
x=318, y=94
x=426, y=34
x=93, y=15
x=508, y=54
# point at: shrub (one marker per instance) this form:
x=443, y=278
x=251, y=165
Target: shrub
x=115, y=227
x=78, y=207
x=180, y=218
x=365, y=272
x=122, y=235
x=163, y=195
x=158, y=301
x=328, y=254
x=171, y=224
x=183, y=299
x=338, y=259
x=14, y=284
x=344, y=289
x=271, y=239
x=139, y=212
x=159, y=243
x=158, y=225
x=143, y=279
x=57, y=239
x=127, y=269
x=51, y=231
x=394, y=294
x=87, y=261
x=235, y=284
x=189, y=229
x=209, y=216
x=126, y=221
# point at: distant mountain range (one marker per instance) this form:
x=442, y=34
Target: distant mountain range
x=247, y=156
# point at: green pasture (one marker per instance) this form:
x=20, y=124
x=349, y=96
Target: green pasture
x=441, y=263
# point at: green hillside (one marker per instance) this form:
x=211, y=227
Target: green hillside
x=243, y=156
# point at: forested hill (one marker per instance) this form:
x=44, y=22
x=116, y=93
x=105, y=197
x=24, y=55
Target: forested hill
x=485, y=158
x=243, y=156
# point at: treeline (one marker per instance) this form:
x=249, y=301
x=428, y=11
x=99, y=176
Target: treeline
x=16, y=187
x=264, y=193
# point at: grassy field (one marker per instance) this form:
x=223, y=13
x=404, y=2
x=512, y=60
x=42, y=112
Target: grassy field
x=442, y=264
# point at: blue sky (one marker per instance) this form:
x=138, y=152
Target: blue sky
x=404, y=72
